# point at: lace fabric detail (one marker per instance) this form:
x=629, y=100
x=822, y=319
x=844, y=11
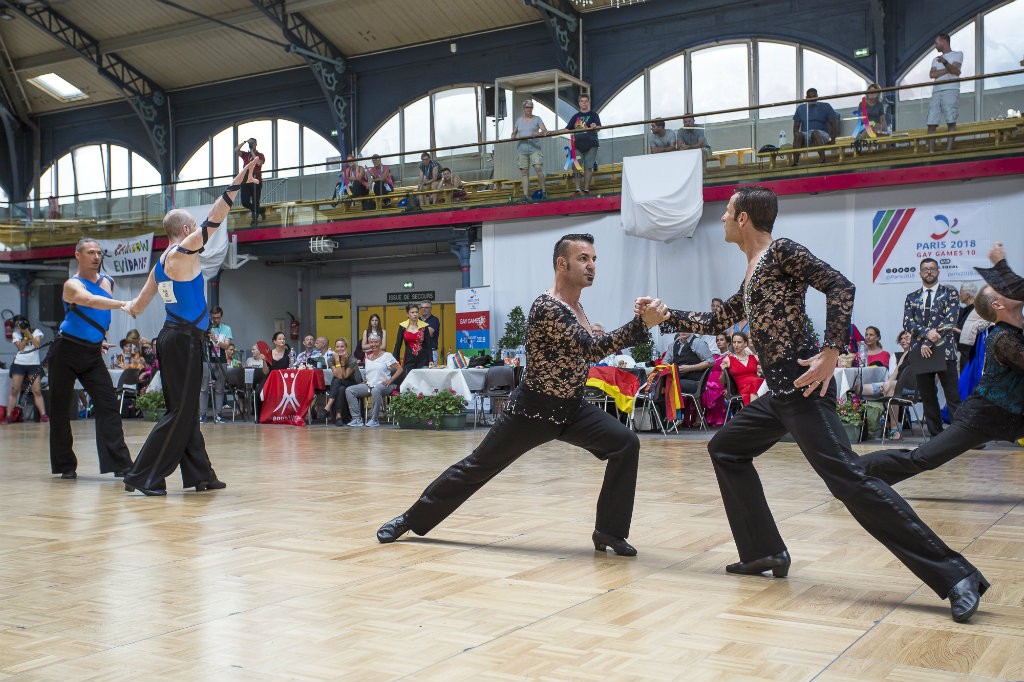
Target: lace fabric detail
x=559, y=351
x=1002, y=381
x=774, y=303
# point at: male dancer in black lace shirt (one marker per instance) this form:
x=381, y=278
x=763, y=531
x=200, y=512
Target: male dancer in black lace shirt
x=549, y=405
x=772, y=298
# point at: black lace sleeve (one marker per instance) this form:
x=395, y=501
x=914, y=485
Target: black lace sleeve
x=799, y=263
x=1008, y=350
x=706, y=323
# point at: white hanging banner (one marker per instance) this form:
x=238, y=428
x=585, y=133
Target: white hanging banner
x=663, y=194
x=957, y=236
x=128, y=256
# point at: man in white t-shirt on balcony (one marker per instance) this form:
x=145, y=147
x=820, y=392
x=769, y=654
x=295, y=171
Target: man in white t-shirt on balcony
x=944, y=105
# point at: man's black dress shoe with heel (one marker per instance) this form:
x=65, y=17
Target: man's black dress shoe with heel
x=965, y=596
x=778, y=564
x=148, y=492
x=393, y=529
x=604, y=541
x=210, y=485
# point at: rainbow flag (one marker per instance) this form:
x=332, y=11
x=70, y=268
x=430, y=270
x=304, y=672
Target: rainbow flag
x=460, y=360
x=673, y=400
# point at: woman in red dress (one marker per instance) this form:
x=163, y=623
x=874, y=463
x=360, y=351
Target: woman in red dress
x=743, y=368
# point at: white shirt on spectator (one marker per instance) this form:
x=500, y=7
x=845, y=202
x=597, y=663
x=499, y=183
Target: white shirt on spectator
x=376, y=371
x=29, y=357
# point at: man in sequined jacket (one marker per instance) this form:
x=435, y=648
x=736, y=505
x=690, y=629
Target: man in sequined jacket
x=548, y=405
x=803, y=403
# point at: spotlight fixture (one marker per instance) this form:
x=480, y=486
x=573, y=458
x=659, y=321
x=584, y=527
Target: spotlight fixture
x=322, y=245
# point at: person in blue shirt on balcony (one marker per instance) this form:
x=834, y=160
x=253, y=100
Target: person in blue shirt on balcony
x=814, y=124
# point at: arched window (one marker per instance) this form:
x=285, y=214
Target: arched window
x=990, y=42
x=291, y=150
x=443, y=118
x=99, y=171
x=718, y=77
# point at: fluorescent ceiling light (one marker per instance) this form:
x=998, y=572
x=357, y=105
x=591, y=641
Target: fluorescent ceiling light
x=57, y=87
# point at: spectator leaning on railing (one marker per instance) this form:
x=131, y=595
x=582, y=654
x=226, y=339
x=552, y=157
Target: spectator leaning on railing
x=660, y=140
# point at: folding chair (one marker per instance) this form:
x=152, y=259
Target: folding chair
x=498, y=384
x=127, y=389
x=645, y=402
x=695, y=397
x=731, y=397
x=906, y=398
x=234, y=386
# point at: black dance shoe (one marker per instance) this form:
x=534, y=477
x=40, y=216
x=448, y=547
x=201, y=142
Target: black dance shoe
x=965, y=596
x=393, y=529
x=778, y=564
x=210, y=485
x=69, y=475
x=603, y=541
x=148, y=492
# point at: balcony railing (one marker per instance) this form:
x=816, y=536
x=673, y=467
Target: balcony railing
x=989, y=126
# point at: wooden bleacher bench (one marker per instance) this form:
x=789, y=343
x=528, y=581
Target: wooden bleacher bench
x=739, y=154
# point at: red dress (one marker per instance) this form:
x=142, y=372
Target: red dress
x=745, y=376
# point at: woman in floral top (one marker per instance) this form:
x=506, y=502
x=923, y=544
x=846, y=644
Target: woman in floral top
x=803, y=403
x=549, y=405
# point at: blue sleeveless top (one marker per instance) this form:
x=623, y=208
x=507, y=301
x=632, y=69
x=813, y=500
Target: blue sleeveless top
x=185, y=302
x=74, y=325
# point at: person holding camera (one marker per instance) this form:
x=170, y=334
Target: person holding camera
x=252, y=191
x=26, y=364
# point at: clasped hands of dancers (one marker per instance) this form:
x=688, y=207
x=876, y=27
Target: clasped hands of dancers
x=548, y=405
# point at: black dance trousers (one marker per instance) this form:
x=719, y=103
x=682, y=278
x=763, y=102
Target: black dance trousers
x=69, y=361
x=251, y=194
x=950, y=380
x=820, y=436
x=512, y=436
x=176, y=438
x=893, y=466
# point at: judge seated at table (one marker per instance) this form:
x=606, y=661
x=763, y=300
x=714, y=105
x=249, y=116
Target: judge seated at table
x=279, y=359
x=692, y=357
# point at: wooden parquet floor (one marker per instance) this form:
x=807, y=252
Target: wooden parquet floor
x=280, y=577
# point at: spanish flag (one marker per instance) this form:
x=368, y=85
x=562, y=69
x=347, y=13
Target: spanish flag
x=618, y=383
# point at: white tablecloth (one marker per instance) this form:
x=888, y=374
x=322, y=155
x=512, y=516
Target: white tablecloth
x=462, y=381
x=846, y=376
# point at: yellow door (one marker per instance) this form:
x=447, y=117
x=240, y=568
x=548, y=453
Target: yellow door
x=333, y=319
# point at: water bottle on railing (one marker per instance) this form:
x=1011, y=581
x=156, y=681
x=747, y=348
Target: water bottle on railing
x=862, y=354
x=291, y=358
x=782, y=138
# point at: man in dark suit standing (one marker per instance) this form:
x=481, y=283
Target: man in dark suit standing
x=930, y=315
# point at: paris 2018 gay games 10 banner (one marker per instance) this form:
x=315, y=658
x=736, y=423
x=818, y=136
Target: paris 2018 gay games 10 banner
x=958, y=237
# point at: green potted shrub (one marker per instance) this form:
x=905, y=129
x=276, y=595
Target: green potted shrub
x=447, y=410
x=850, y=409
x=644, y=352
x=409, y=410
x=515, y=331
x=152, y=405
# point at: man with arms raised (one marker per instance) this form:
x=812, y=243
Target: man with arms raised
x=178, y=278
x=549, y=405
x=803, y=403
x=78, y=354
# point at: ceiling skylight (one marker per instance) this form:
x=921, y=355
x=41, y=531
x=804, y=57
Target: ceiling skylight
x=57, y=87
